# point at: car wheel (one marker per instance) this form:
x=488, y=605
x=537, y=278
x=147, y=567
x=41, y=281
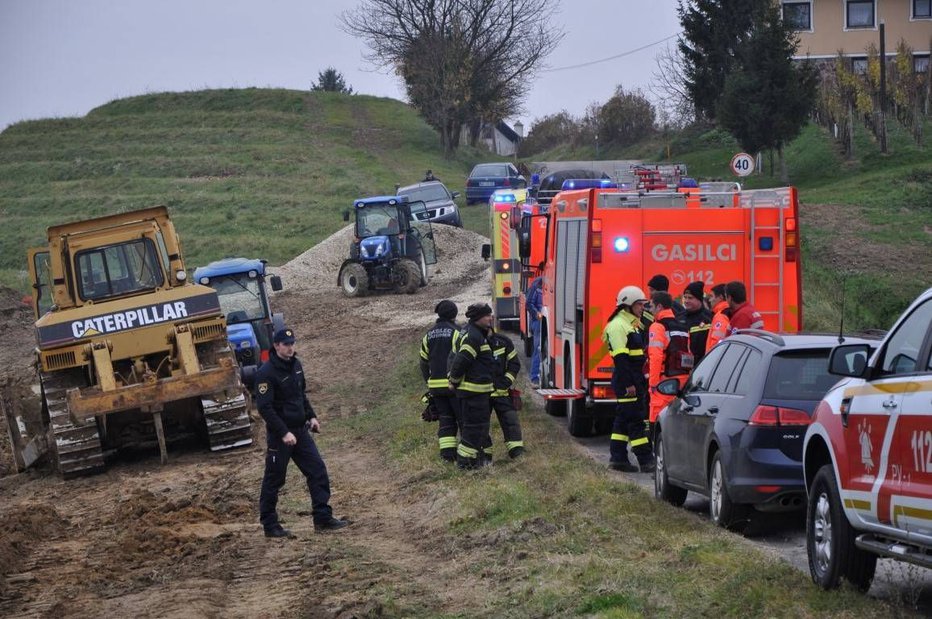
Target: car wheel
x=662, y=488
x=722, y=510
x=830, y=538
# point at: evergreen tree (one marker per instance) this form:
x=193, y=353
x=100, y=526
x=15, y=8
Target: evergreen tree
x=331, y=80
x=713, y=32
x=768, y=97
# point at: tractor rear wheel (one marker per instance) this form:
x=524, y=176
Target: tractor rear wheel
x=354, y=280
x=409, y=276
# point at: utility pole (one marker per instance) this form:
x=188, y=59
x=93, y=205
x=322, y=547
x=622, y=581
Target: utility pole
x=883, y=90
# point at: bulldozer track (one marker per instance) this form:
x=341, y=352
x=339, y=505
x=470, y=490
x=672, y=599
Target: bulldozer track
x=76, y=448
x=228, y=423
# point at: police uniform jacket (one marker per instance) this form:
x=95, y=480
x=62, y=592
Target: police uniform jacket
x=472, y=369
x=507, y=364
x=625, y=339
x=436, y=346
x=280, y=395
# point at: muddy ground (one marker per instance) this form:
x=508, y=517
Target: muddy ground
x=144, y=539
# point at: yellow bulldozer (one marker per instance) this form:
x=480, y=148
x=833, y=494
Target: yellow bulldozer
x=129, y=353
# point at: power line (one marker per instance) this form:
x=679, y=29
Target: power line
x=616, y=56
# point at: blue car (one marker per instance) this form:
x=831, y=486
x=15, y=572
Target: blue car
x=485, y=178
x=735, y=431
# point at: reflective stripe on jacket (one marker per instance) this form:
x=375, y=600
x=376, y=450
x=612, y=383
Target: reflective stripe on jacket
x=626, y=347
x=507, y=364
x=473, y=366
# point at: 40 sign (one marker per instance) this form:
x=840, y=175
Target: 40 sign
x=742, y=164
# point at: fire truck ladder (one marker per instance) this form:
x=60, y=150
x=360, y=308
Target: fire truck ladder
x=759, y=259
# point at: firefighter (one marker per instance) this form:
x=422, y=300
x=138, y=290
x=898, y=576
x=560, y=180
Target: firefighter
x=534, y=299
x=697, y=317
x=625, y=342
x=743, y=314
x=721, y=313
x=667, y=352
x=435, y=356
x=288, y=415
x=471, y=373
x=507, y=367
x=661, y=283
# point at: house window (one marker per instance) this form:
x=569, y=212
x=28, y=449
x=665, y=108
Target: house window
x=922, y=9
x=859, y=65
x=859, y=13
x=920, y=64
x=798, y=15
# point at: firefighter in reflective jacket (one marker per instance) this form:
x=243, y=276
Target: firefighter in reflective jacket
x=471, y=373
x=698, y=319
x=626, y=346
x=436, y=347
x=721, y=322
x=667, y=339
x=507, y=367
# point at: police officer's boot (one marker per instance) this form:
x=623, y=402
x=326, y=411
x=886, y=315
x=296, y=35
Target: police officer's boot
x=277, y=530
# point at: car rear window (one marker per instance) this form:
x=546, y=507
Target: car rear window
x=490, y=170
x=799, y=375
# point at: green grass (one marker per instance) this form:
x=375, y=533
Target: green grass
x=557, y=535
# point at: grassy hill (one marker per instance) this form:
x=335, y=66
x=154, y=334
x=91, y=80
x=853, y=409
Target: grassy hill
x=267, y=173
x=254, y=172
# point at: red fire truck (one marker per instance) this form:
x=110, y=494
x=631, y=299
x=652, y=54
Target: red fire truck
x=598, y=240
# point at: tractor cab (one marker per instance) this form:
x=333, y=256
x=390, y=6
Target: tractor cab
x=242, y=287
x=391, y=248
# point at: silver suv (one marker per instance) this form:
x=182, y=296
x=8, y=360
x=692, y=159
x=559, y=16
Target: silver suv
x=440, y=207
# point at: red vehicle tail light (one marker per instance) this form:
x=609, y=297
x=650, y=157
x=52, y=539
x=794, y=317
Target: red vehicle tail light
x=596, y=248
x=791, y=240
x=778, y=416
x=507, y=182
x=603, y=392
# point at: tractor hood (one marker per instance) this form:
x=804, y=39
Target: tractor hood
x=375, y=248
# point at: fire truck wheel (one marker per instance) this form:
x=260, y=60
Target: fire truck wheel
x=722, y=510
x=578, y=421
x=830, y=538
x=662, y=488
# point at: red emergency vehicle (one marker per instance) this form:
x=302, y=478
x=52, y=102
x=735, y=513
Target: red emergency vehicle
x=505, y=210
x=598, y=240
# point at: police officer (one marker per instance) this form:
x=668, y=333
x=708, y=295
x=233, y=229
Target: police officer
x=435, y=357
x=471, y=373
x=507, y=367
x=624, y=337
x=281, y=400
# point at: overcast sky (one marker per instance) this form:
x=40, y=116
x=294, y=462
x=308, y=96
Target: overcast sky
x=66, y=57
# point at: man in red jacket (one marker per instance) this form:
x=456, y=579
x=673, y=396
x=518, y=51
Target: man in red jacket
x=743, y=314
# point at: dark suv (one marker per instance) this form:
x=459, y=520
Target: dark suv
x=735, y=431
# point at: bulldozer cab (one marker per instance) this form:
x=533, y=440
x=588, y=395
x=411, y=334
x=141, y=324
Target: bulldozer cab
x=40, y=274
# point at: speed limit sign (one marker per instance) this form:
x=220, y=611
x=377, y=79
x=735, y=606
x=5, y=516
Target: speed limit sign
x=742, y=164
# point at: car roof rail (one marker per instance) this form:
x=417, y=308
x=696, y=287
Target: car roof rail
x=766, y=335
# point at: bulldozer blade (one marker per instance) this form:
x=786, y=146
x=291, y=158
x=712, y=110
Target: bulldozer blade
x=26, y=450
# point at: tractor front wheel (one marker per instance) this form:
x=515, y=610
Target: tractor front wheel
x=409, y=276
x=354, y=280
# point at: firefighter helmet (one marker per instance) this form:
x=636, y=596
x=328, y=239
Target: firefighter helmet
x=629, y=295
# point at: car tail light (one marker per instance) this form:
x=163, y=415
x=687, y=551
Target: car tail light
x=507, y=182
x=778, y=416
x=768, y=489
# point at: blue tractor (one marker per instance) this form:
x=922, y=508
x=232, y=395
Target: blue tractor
x=392, y=246
x=241, y=285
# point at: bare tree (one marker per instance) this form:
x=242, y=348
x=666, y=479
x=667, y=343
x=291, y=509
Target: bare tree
x=668, y=88
x=462, y=61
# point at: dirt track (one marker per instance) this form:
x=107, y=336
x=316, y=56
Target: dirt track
x=180, y=540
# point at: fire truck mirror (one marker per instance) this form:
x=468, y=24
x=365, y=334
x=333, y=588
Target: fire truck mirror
x=524, y=244
x=486, y=251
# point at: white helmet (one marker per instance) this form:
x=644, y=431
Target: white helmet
x=629, y=295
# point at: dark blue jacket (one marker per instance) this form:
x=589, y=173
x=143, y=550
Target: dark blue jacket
x=280, y=396
x=535, y=300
